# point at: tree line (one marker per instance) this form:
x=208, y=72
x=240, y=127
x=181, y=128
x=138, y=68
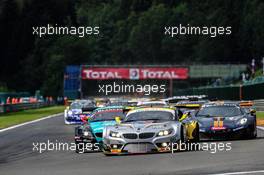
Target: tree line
x=131, y=32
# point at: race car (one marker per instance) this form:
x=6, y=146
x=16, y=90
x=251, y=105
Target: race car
x=226, y=120
x=147, y=130
x=77, y=110
x=91, y=131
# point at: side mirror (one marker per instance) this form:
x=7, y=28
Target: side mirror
x=118, y=119
x=184, y=116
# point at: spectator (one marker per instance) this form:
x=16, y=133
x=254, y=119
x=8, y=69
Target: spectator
x=8, y=100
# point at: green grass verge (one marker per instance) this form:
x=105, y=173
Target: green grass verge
x=260, y=115
x=14, y=118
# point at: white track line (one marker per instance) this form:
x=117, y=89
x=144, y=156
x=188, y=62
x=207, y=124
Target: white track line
x=242, y=172
x=26, y=123
x=260, y=127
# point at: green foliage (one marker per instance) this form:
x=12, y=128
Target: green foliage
x=131, y=32
x=260, y=115
x=3, y=89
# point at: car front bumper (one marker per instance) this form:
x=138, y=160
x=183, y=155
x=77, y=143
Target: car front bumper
x=225, y=134
x=137, y=146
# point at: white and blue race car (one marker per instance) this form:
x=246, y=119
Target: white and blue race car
x=77, y=110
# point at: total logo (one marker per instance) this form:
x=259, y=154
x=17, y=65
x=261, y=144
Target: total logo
x=90, y=74
x=147, y=74
x=134, y=73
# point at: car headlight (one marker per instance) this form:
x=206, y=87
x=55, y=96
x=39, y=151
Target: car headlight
x=70, y=113
x=115, y=134
x=243, y=121
x=165, y=132
x=85, y=133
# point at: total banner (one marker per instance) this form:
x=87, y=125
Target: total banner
x=134, y=73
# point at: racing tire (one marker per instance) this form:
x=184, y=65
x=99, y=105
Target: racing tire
x=77, y=150
x=196, y=135
x=252, y=134
x=183, y=134
x=183, y=140
x=76, y=130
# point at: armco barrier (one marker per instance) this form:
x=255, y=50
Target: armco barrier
x=21, y=106
x=243, y=92
x=259, y=105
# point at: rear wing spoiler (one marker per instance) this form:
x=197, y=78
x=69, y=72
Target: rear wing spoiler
x=188, y=105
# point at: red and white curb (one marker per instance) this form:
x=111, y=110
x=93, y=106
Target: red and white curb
x=30, y=122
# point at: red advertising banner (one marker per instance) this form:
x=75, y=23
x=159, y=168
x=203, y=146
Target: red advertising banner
x=163, y=73
x=134, y=73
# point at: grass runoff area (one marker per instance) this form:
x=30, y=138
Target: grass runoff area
x=260, y=115
x=260, y=118
x=14, y=118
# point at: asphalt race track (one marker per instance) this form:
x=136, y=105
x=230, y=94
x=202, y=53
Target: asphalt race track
x=17, y=156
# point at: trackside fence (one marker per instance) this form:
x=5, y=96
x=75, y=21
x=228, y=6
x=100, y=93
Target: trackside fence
x=5, y=108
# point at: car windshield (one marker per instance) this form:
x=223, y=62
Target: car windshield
x=219, y=111
x=183, y=109
x=88, y=104
x=76, y=106
x=149, y=115
x=107, y=115
x=152, y=104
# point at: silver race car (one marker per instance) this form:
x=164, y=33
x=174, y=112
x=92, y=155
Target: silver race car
x=144, y=130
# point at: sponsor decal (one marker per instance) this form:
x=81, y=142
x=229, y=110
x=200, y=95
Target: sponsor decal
x=134, y=73
x=104, y=73
x=218, y=124
x=164, y=73
x=115, y=150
